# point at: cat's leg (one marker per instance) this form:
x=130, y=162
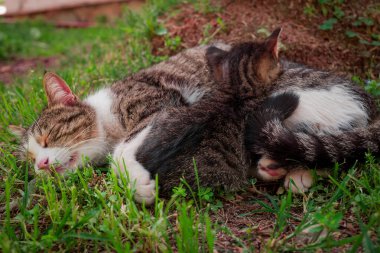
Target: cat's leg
x=125, y=161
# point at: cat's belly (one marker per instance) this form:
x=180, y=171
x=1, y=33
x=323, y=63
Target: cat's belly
x=327, y=110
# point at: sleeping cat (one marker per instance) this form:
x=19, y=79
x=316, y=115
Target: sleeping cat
x=145, y=106
x=217, y=143
x=329, y=107
x=334, y=121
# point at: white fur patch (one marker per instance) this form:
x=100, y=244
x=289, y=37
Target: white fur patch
x=192, y=94
x=125, y=158
x=222, y=45
x=327, y=110
x=55, y=155
x=93, y=150
x=101, y=101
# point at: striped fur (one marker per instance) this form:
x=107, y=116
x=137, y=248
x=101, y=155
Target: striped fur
x=334, y=122
x=211, y=131
x=150, y=111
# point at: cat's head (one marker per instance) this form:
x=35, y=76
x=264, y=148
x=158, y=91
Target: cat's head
x=64, y=133
x=250, y=62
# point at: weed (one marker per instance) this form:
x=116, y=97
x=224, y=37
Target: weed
x=206, y=6
x=173, y=43
x=209, y=32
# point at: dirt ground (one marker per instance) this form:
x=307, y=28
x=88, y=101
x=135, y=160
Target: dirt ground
x=10, y=69
x=304, y=42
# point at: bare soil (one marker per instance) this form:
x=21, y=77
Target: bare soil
x=10, y=69
x=303, y=40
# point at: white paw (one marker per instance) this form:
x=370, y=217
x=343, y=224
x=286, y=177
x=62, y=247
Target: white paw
x=125, y=162
x=302, y=180
x=146, y=193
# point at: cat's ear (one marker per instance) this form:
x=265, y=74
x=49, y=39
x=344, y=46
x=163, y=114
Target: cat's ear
x=215, y=62
x=17, y=131
x=272, y=43
x=268, y=64
x=57, y=90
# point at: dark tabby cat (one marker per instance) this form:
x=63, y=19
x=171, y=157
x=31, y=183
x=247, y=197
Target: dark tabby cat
x=217, y=143
x=155, y=107
x=320, y=109
x=334, y=121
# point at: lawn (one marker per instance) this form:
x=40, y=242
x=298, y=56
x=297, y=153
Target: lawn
x=90, y=210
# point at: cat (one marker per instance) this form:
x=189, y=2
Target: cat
x=327, y=104
x=145, y=106
x=335, y=121
x=217, y=144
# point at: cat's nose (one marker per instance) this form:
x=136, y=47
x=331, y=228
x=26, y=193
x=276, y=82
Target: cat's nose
x=43, y=164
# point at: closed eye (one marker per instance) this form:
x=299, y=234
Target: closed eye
x=44, y=144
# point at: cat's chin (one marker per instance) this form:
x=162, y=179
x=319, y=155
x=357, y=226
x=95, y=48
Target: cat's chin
x=69, y=166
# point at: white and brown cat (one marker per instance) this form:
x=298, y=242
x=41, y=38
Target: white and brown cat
x=148, y=120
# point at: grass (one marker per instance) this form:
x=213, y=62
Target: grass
x=92, y=210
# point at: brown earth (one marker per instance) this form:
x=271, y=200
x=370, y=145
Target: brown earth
x=304, y=42
x=10, y=69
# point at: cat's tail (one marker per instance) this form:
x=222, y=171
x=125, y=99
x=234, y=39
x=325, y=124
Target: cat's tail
x=275, y=141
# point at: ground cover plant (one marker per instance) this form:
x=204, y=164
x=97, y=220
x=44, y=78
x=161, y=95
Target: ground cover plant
x=91, y=211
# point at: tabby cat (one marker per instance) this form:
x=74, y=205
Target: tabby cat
x=335, y=121
x=216, y=143
x=157, y=107
x=325, y=118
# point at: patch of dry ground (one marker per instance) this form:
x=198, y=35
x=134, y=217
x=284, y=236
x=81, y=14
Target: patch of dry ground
x=303, y=40
x=10, y=69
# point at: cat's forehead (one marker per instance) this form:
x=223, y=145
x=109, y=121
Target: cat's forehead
x=60, y=124
x=61, y=114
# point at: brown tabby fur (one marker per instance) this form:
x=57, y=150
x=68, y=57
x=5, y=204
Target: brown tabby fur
x=217, y=146
x=269, y=137
x=171, y=96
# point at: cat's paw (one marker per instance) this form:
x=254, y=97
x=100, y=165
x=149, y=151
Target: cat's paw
x=146, y=193
x=125, y=163
x=302, y=180
x=270, y=170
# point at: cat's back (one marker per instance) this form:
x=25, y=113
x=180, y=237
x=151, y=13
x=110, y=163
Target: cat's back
x=181, y=80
